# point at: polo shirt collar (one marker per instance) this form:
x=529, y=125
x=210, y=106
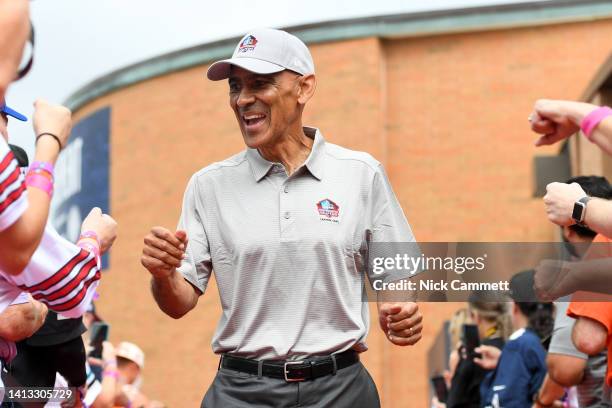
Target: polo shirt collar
x=314, y=162
x=259, y=165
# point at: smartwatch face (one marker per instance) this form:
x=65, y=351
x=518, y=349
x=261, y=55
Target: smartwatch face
x=577, y=213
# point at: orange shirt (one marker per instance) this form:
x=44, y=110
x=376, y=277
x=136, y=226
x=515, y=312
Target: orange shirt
x=598, y=311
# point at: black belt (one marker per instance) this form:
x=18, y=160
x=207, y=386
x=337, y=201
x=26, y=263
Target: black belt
x=292, y=371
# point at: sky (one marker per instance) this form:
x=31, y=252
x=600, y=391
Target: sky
x=78, y=41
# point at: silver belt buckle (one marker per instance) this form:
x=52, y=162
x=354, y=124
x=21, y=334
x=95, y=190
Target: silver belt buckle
x=288, y=363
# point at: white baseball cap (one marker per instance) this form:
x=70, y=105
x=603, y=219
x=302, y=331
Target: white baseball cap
x=266, y=51
x=131, y=352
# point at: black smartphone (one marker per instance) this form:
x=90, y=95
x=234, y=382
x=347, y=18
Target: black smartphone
x=439, y=386
x=471, y=340
x=98, y=335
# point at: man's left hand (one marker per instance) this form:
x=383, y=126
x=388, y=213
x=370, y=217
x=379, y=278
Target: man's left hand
x=559, y=202
x=401, y=322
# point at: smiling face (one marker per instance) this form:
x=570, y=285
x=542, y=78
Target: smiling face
x=266, y=106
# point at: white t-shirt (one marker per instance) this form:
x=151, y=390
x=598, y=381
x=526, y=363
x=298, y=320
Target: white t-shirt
x=60, y=274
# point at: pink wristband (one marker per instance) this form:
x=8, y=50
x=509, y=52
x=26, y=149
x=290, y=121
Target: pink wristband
x=90, y=234
x=46, y=166
x=41, y=182
x=41, y=172
x=590, y=121
x=88, y=246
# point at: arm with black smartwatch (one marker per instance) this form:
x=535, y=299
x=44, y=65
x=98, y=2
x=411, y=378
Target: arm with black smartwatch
x=568, y=204
x=594, y=212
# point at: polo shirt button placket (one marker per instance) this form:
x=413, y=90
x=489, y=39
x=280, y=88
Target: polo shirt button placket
x=287, y=219
x=285, y=190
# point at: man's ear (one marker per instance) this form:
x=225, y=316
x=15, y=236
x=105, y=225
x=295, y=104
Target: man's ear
x=307, y=86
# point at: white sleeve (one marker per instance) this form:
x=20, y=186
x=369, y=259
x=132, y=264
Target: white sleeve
x=8, y=293
x=13, y=192
x=23, y=297
x=60, y=274
x=196, y=268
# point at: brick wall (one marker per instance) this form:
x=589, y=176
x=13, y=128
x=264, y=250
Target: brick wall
x=447, y=115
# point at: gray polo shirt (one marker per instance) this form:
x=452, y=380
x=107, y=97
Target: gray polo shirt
x=592, y=391
x=287, y=252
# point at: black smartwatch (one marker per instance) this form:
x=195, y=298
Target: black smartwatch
x=580, y=210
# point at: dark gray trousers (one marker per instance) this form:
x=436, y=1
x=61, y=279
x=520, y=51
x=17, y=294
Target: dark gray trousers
x=351, y=387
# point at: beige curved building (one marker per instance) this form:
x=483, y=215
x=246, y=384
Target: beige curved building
x=440, y=98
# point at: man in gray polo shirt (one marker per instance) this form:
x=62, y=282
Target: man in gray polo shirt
x=283, y=225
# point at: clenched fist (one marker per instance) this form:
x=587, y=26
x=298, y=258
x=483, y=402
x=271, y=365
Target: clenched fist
x=559, y=202
x=55, y=119
x=401, y=322
x=103, y=225
x=163, y=251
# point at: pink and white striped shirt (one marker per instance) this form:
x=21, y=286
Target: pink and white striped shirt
x=60, y=274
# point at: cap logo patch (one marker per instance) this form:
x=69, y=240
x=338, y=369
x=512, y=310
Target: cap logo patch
x=248, y=44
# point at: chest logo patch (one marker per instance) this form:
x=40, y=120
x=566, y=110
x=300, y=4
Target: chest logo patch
x=328, y=210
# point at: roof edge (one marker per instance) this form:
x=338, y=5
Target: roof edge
x=386, y=26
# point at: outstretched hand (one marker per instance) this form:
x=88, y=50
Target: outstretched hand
x=556, y=120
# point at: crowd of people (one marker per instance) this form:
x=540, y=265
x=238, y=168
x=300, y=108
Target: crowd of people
x=47, y=284
x=75, y=354
x=309, y=325
x=556, y=353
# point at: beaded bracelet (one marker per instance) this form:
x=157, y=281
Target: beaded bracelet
x=45, y=166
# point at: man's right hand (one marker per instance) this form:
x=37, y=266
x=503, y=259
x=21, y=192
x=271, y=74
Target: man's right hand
x=163, y=251
x=55, y=119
